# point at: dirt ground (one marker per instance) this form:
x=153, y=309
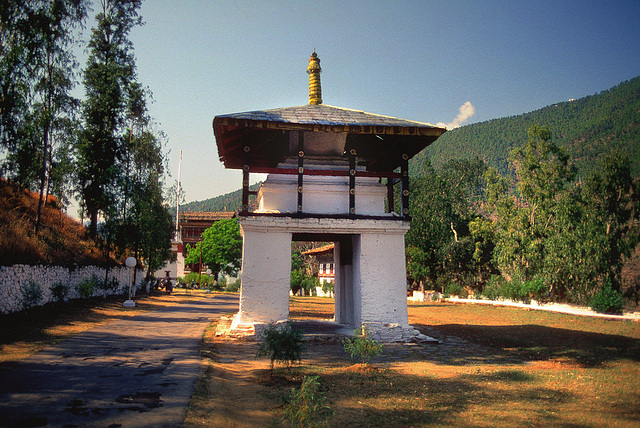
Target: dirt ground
x=460, y=382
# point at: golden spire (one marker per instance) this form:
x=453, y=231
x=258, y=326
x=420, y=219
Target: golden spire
x=315, y=92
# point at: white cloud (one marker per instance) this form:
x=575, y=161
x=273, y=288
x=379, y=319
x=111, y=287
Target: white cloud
x=465, y=111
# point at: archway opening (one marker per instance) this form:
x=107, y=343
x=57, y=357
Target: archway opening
x=327, y=260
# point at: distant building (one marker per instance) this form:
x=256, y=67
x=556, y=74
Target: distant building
x=194, y=223
x=326, y=263
x=326, y=267
x=191, y=226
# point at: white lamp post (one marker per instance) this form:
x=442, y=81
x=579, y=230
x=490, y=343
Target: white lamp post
x=131, y=264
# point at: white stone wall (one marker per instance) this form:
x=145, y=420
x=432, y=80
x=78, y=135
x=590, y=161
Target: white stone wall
x=321, y=195
x=266, y=273
x=14, y=280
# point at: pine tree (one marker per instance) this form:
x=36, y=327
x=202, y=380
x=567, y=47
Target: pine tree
x=108, y=77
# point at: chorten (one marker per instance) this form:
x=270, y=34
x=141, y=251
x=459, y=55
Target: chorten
x=331, y=177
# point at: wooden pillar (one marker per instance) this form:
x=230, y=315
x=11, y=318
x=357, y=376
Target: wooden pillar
x=404, y=170
x=300, y=169
x=352, y=182
x=245, y=180
x=390, y=202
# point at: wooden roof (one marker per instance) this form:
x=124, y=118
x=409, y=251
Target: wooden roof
x=380, y=141
x=205, y=216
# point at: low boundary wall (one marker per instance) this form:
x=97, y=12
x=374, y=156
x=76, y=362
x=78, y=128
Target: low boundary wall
x=25, y=286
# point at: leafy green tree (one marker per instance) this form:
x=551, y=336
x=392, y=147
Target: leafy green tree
x=109, y=79
x=526, y=219
x=302, y=274
x=613, y=203
x=37, y=119
x=221, y=248
x=16, y=37
x=443, y=203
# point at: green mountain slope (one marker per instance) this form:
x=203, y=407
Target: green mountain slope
x=587, y=128
x=227, y=202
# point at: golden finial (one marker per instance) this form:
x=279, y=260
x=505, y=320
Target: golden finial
x=314, y=70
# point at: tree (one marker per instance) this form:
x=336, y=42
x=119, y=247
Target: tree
x=526, y=219
x=221, y=248
x=613, y=203
x=108, y=79
x=443, y=203
x=37, y=110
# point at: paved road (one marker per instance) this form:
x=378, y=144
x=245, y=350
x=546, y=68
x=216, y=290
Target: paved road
x=138, y=372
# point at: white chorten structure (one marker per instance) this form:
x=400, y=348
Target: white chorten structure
x=331, y=177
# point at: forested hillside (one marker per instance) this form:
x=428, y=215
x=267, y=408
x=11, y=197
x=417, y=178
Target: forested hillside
x=228, y=202
x=587, y=128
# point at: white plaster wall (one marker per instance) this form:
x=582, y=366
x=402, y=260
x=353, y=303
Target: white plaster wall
x=175, y=268
x=15, y=279
x=382, y=278
x=372, y=289
x=266, y=273
x=321, y=195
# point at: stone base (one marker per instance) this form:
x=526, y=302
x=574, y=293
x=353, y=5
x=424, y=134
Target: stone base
x=129, y=304
x=390, y=332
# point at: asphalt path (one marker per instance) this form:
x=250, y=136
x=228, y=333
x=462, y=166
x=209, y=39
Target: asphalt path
x=135, y=372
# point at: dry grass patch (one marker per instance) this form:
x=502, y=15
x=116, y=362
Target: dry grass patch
x=495, y=367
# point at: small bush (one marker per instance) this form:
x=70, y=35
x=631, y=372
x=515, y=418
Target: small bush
x=31, y=295
x=60, y=291
x=328, y=287
x=222, y=283
x=536, y=289
x=455, y=289
x=493, y=287
x=306, y=406
x=362, y=345
x=513, y=290
x=608, y=301
x=282, y=343
x=234, y=286
x=87, y=287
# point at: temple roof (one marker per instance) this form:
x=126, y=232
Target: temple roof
x=326, y=118
x=263, y=139
x=380, y=141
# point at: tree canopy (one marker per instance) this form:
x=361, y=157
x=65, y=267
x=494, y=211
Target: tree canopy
x=220, y=248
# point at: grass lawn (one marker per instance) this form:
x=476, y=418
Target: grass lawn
x=495, y=366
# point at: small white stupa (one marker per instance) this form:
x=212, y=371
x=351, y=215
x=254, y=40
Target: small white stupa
x=331, y=173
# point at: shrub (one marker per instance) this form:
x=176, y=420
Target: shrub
x=60, y=291
x=513, y=290
x=282, y=343
x=222, y=283
x=493, y=287
x=535, y=289
x=455, y=289
x=87, y=287
x=306, y=406
x=362, y=345
x=31, y=295
x=608, y=301
x=234, y=286
x=328, y=287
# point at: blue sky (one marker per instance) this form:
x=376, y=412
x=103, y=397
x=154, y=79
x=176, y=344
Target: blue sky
x=418, y=60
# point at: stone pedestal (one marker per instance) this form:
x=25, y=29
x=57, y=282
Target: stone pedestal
x=369, y=264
